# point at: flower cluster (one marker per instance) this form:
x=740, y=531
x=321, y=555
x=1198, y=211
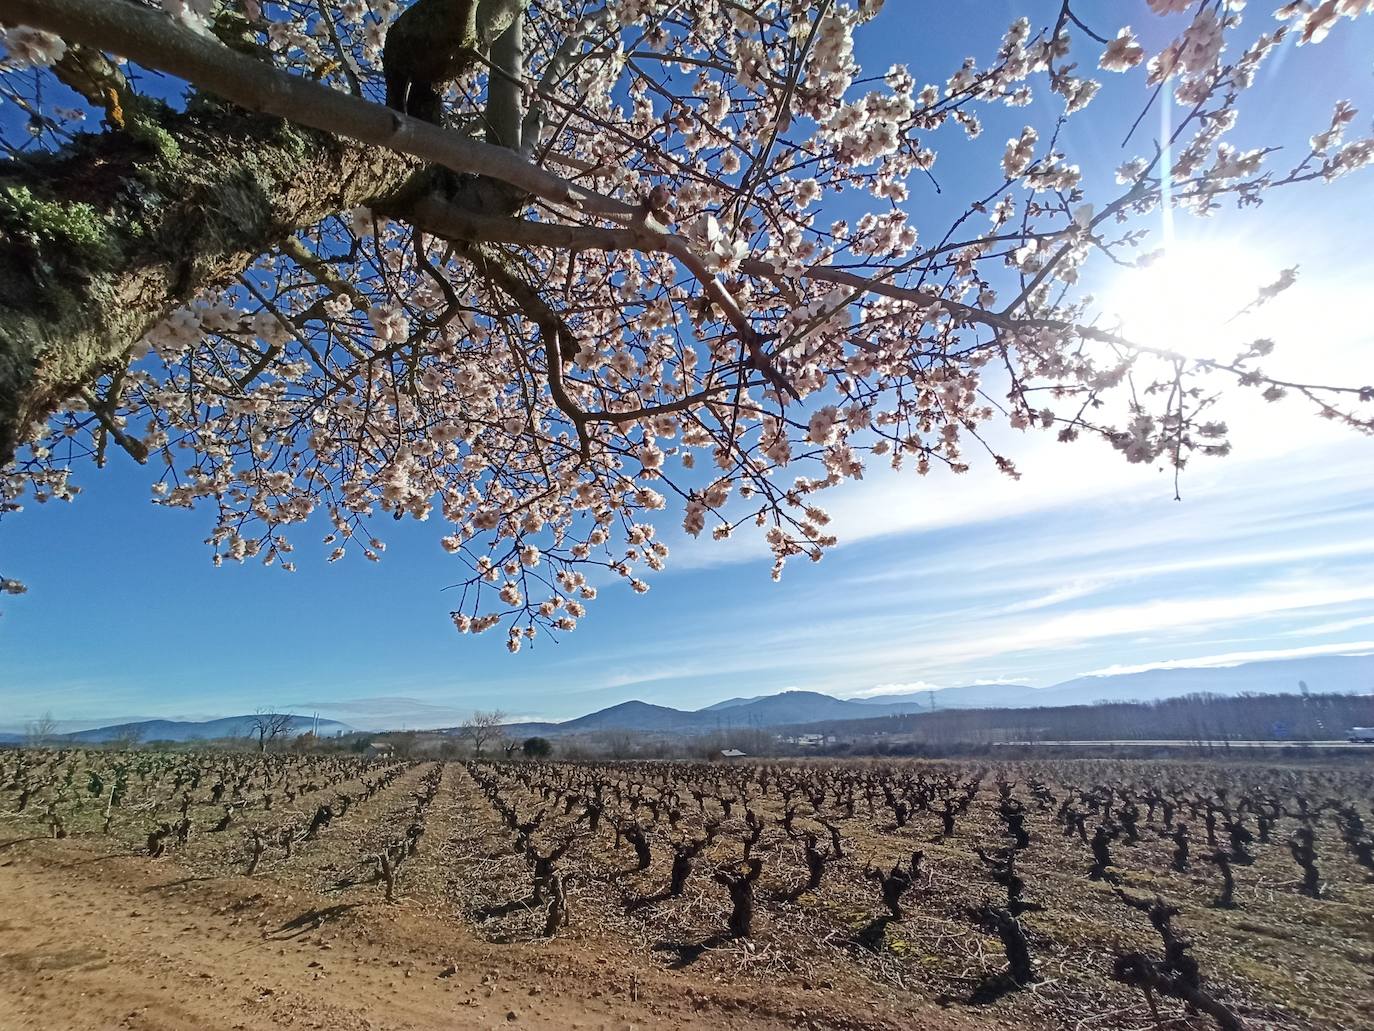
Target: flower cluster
x=29, y=48
x=796, y=321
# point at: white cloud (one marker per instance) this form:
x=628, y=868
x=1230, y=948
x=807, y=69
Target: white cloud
x=876, y=646
x=1338, y=627
x=1240, y=658
x=1083, y=626
x=1071, y=592
x=878, y=690
x=628, y=677
x=1237, y=521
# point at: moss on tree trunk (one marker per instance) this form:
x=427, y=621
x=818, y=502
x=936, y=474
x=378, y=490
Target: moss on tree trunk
x=98, y=242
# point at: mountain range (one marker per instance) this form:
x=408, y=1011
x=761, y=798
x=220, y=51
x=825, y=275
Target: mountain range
x=1315, y=673
x=1318, y=674
x=189, y=730
x=766, y=711
x=1321, y=674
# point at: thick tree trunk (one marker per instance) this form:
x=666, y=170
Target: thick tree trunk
x=100, y=241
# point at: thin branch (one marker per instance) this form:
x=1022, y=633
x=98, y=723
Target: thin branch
x=152, y=39
x=101, y=410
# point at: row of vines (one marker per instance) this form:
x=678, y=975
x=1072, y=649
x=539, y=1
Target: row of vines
x=1070, y=894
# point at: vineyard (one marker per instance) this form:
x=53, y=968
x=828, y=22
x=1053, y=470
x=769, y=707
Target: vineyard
x=1064, y=894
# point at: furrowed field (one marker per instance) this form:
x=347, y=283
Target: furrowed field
x=348, y=892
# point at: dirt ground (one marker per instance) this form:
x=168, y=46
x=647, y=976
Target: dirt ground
x=95, y=940
x=97, y=933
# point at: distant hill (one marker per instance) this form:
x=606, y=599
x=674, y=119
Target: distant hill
x=972, y=697
x=1281, y=718
x=1322, y=674
x=632, y=715
x=779, y=709
x=731, y=703
x=177, y=730
x=766, y=711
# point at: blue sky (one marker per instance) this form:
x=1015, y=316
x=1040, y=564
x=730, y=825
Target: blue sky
x=1085, y=564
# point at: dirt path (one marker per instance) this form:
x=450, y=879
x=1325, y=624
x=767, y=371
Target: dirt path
x=92, y=940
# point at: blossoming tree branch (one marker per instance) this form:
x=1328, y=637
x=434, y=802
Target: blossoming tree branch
x=546, y=269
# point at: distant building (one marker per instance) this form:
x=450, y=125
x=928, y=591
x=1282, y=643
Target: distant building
x=810, y=740
x=731, y=753
x=379, y=748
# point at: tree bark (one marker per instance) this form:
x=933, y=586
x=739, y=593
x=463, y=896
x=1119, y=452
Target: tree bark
x=100, y=241
x=151, y=39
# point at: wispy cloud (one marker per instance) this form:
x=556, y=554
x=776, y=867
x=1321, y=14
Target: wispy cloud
x=882, y=638
x=886, y=689
x=623, y=677
x=1338, y=627
x=1071, y=592
x=1239, y=658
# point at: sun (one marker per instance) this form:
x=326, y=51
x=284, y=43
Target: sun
x=1190, y=299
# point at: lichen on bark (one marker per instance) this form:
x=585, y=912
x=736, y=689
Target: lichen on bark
x=100, y=240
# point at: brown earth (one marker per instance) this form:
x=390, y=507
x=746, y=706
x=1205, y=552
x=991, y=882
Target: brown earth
x=95, y=940
x=95, y=933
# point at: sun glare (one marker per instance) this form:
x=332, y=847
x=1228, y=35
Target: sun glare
x=1189, y=299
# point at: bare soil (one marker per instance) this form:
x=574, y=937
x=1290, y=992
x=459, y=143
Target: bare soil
x=96, y=933
x=95, y=940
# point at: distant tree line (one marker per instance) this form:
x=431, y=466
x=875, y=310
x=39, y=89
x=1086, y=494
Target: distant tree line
x=1195, y=717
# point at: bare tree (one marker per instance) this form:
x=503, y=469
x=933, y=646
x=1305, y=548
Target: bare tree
x=127, y=739
x=40, y=732
x=482, y=729
x=267, y=727
x=617, y=743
